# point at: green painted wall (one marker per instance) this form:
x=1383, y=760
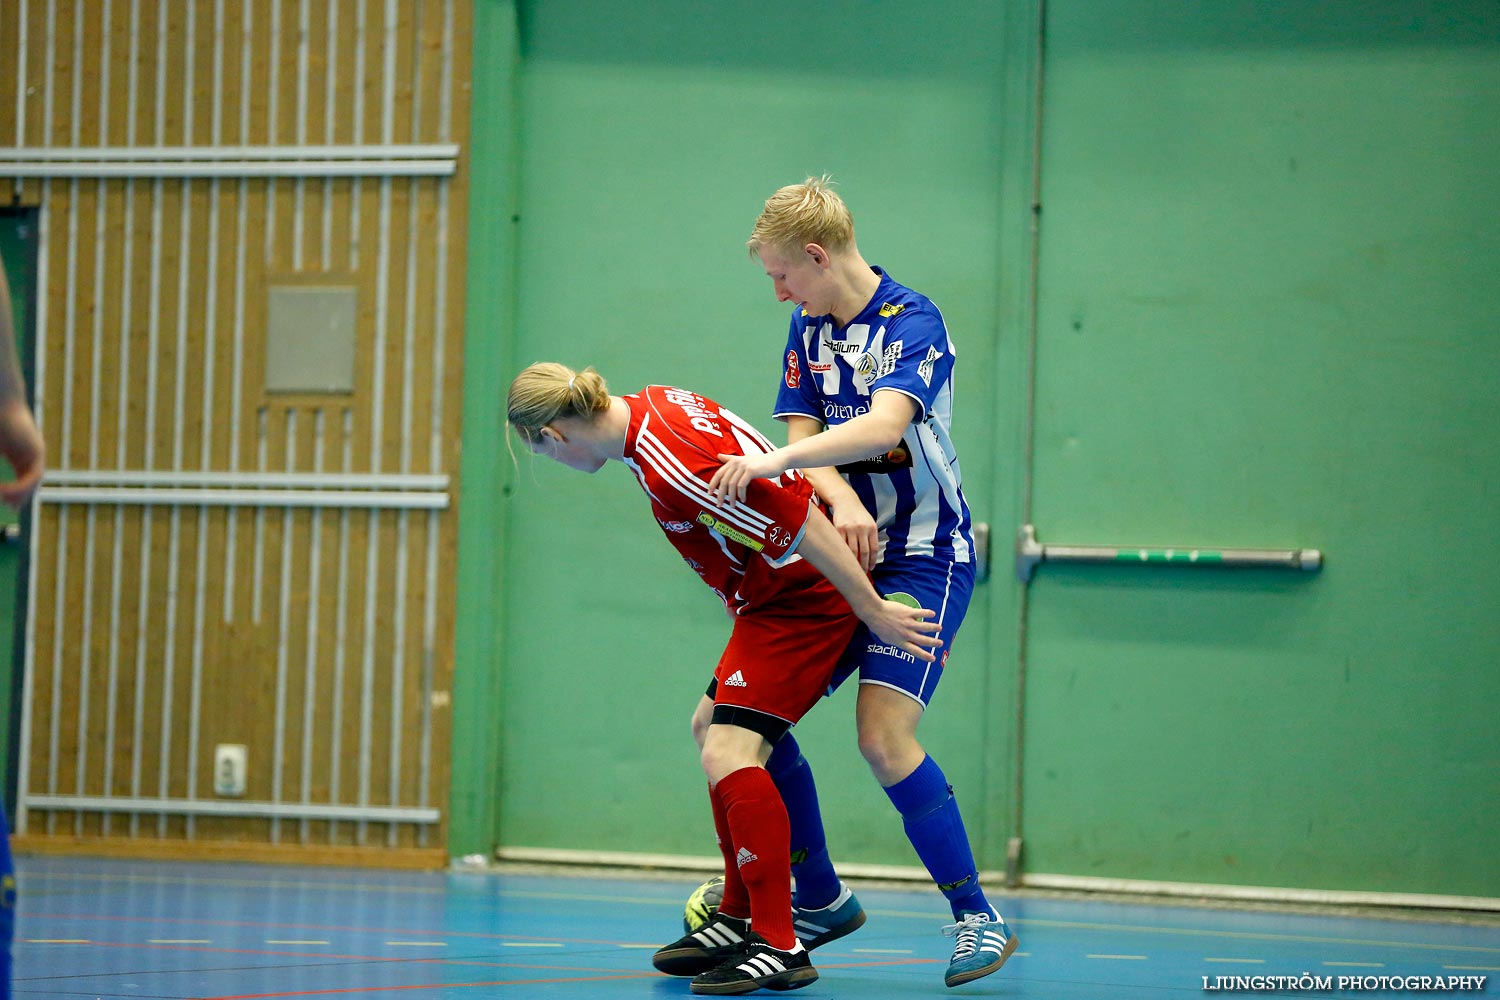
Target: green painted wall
x=488, y=337
x=1266, y=317
x=17, y=249
x=648, y=144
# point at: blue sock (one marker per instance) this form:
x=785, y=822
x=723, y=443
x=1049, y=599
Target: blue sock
x=930, y=814
x=817, y=882
x=7, y=904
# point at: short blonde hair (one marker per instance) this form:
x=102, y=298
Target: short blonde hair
x=547, y=391
x=799, y=214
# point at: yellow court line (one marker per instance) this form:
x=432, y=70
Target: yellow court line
x=58, y=941
x=1472, y=968
x=233, y=882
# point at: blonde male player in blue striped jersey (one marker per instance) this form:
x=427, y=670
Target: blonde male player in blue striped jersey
x=867, y=395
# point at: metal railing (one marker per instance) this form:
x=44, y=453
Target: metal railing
x=1030, y=553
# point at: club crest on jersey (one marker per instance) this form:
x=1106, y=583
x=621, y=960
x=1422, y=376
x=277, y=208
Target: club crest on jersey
x=793, y=372
x=869, y=368
x=676, y=527
x=779, y=535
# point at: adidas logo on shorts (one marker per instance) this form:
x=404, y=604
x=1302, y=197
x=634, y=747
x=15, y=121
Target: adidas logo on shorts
x=743, y=858
x=736, y=680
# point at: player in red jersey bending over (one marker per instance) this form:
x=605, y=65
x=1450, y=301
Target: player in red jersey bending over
x=788, y=581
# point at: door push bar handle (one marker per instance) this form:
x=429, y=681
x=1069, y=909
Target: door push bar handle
x=1030, y=552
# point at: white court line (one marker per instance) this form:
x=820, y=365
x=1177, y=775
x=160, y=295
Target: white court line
x=653, y=947
x=1472, y=968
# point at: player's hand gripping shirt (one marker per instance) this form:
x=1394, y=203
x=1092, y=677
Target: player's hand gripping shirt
x=897, y=342
x=745, y=551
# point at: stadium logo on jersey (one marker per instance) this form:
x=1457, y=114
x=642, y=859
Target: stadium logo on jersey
x=890, y=309
x=729, y=531
x=925, y=368
x=779, y=535
x=677, y=527
x=793, y=373
x=842, y=346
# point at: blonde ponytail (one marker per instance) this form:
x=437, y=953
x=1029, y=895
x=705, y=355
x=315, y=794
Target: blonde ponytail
x=547, y=391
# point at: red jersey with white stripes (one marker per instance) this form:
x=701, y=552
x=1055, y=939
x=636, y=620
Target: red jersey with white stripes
x=745, y=552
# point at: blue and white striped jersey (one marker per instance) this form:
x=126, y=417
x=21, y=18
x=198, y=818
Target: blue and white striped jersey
x=898, y=342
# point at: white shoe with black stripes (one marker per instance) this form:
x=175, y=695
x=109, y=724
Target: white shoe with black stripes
x=758, y=966
x=706, y=948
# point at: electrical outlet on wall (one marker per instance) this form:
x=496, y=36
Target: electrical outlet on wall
x=229, y=769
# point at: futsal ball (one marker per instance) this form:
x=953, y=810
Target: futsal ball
x=703, y=903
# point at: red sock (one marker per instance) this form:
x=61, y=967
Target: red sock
x=762, y=848
x=736, y=901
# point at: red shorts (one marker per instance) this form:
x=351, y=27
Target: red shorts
x=780, y=664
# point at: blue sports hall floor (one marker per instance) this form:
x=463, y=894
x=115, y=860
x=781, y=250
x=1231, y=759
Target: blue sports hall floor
x=100, y=929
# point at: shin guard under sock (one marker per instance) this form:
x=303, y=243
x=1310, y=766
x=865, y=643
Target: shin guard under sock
x=758, y=826
x=817, y=882
x=936, y=830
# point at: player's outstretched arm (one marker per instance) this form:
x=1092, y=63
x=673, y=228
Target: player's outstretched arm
x=871, y=433
x=897, y=624
x=850, y=519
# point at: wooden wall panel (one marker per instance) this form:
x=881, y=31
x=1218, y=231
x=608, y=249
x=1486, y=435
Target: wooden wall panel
x=320, y=637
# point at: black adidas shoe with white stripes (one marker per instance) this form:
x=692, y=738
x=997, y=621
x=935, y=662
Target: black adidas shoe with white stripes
x=706, y=948
x=758, y=966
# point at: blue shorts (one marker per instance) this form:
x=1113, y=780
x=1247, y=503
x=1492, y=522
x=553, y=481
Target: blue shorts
x=937, y=585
